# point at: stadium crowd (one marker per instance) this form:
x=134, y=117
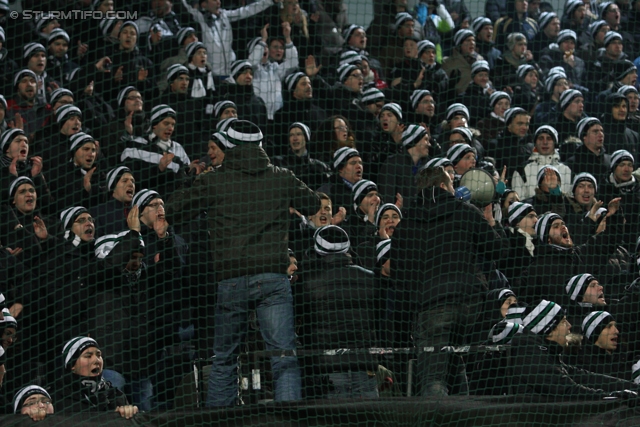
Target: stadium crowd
x=172, y=182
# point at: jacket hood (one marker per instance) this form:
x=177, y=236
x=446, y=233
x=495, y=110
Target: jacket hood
x=249, y=158
x=438, y=204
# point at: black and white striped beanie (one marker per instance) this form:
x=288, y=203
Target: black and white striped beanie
x=292, y=80
x=479, y=23
x=73, y=349
x=461, y=36
x=511, y=114
x=69, y=215
x=619, y=156
x=175, y=71
x=503, y=332
x=160, y=112
x=8, y=136
x=594, y=323
x=114, y=175
x=517, y=211
x=237, y=67
x=585, y=124
x=424, y=45
x=417, y=96
x=349, y=57
x=385, y=208
x=122, y=95
x=497, y=96
x=360, y=190
x=394, y=108
x=65, y=112
x=331, y=239
x=576, y=283
x=13, y=187
x=192, y=48
x=24, y=393
x=584, y=176
x=478, y=67
x=458, y=151
x=241, y=132
x=31, y=49
x=457, y=109
x=77, y=140
x=220, y=106
x=466, y=134
x=549, y=130
x=342, y=156
x=56, y=34
x=544, y=317
x=344, y=71
x=22, y=74
x=184, y=33
x=55, y=95
x=543, y=226
x=143, y=198
x=412, y=135
x=371, y=96
x=401, y=18
x=567, y=98
x=304, y=128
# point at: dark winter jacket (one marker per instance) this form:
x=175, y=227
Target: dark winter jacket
x=340, y=308
x=248, y=202
x=435, y=252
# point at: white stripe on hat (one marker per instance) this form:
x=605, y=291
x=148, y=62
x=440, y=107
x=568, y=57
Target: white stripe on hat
x=341, y=154
x=325, y=247
x=456, y=151
x=538, y=320
x=28, y=391
x=591, y=322
x=504, y=292
x=67, y=214
x=72, y=346
x=576, y=283
x=518, y=208
x=160, y=110
x=246, y=137
x=113, y=173
x=18, y=182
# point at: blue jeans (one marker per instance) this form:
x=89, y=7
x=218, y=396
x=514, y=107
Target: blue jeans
x=271, y=295
x=352, y=385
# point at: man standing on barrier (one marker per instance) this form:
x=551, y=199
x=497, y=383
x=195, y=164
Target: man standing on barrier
x=435, y=254
x=248, y=202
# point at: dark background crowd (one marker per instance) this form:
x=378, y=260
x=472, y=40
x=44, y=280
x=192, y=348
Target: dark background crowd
x=461, y=180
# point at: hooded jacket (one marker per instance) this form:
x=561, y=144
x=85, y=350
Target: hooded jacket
x=341, y=300
x=247, y=200
x=526, y=186
x=436, y=250
x=538, y=368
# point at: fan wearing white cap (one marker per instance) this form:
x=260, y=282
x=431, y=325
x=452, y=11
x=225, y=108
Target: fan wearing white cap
x=272, y=59
x=602, y=352
x=34, y=401
x=112, y=214
x=463, y=56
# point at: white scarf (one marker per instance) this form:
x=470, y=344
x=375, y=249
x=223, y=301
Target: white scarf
x=198, y=89
x=621, y=185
